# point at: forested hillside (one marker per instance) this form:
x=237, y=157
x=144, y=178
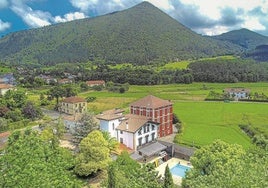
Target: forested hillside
x=139, y=35
x=245, y=38
x=260, y=53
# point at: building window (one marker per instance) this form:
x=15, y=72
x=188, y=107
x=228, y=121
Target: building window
x=113, y=126
x=139, y=132
x=144, y=129
x=148, y=127
x=121, y=132
x=153, y=136
x=140, y=141
x=146, y=138
x=153, y=127
x=121, y=140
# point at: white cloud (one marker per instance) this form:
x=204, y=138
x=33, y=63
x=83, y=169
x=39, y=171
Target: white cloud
x=70, y=17
x=3, y=4
x=4, y=25
x=33, y=18
x=253, y=24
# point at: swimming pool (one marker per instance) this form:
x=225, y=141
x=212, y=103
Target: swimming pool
x=179, y=170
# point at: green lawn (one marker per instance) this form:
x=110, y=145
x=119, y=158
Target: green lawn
x=206, y=121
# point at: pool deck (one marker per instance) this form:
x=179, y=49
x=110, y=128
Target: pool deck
x=171, y=163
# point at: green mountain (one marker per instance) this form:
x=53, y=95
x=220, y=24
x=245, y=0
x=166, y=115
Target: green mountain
x=139, y=35
x=245, y=38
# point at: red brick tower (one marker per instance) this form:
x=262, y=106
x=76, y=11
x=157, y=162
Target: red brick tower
x=157, y=110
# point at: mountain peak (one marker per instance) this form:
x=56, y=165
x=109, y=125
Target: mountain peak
x=139, y=35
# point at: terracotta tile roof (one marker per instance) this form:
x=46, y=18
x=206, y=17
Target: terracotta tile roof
x=73, y=100
x=237, y=90
x=95, y=82
x=151, y=101
x=111, y=114
x=5, y=86
x=109, y=117
x=133, y=123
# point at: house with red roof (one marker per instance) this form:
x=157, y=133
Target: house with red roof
x=92, y=83
x=5, y=87
x=73, y=105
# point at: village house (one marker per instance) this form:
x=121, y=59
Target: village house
x=156, y=110
x=135, y=131
x=238, y=93
x=110, y=119
x=5, y=87
x=73, y=105
x=92, y=83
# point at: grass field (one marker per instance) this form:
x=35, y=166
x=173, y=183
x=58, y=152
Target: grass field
x=203, y=121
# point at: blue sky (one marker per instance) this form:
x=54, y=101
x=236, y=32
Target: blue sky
x=205, y=17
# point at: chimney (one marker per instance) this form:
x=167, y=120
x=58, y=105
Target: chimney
x=126, y=125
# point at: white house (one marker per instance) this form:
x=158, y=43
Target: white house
x=135, y=131
x=109, y=120
x=238, y=93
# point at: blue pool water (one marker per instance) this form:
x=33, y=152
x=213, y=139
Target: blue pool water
x=179, y=170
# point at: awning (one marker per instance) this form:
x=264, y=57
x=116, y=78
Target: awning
x=152, y=149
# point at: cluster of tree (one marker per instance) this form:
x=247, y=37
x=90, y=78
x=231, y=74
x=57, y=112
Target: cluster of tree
x=14, y=107
x=60, y=92
x=227, y=165
x=125, y=172
x=31, y=161
x=228, y=71
x=138, y=75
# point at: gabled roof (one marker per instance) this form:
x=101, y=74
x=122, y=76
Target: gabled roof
x=132, y=123
x=5, y=86
x=73, y=100
x=151, y=101
x=95, y=82
x=111, y=114
x=237, y=90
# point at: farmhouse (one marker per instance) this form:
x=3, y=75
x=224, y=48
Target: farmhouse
x=156, y=110
x=5, y=87
x=73, y=105
x=92, y=83
x=238, y=93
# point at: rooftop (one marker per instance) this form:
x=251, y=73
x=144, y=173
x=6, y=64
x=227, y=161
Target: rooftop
x=6, y=86
x=237, y=90
x=132, y=123
x=151, y=101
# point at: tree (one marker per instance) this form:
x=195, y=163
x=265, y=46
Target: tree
x=125, y=172
x=113, y=144
x=168, y=181
x=57, y=92
x=226, y=165
x=93, y=155
x=31, y=111
x=28, y=161
x=83, y=126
